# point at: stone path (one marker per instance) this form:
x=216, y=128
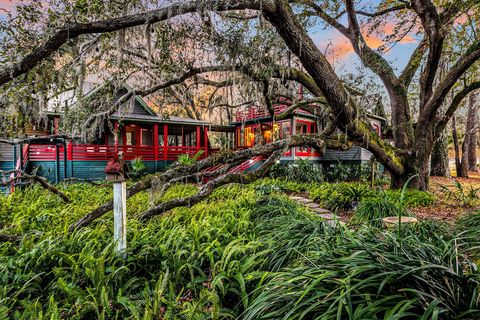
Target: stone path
x=312, y=206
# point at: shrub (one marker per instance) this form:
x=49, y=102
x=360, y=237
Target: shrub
x=285, y=185
x=468, y=230
x=343, y=171
x=340, y=195
x=413, y=198
x=188, y=160
x=138, y=167
x=299, y=171
x=231, y=256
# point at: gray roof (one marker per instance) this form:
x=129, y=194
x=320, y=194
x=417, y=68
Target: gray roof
x=155, y=118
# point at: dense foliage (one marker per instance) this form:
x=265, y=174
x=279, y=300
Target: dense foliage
x=299, y=170
x=255, y=254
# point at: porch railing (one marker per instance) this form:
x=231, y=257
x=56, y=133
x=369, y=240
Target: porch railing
x=258, y=112
x=93, y=152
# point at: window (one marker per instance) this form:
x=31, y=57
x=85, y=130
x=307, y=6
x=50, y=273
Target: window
x=146, y=137
x=305, y=127
x=301, y=127
x=131, y=141
x=286, y=129
x=249, y=136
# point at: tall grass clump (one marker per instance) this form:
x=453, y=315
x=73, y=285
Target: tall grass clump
x=369, y=275
x=372, y=211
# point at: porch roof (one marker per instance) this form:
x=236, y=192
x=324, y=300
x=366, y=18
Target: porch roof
x=156, y=119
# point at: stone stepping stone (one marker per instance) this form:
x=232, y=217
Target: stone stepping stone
x=327, y=216
x=312, y=205
x=296, y=197
x=304, y=201
x=322, y=211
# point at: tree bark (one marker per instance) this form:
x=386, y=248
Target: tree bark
x=460, y=165
x=440, y=166
x=472, y=124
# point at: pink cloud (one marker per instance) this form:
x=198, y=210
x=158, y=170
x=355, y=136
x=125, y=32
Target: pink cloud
x=340, y=47
x=7, y=5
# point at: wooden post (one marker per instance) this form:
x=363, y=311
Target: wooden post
x=21, y=157
x=155, y=145
x=124, y=138
x=165, y=142
x=65, y=170
x=57, y=164
x=372, y=168
x=14, y=166
x=197, y=139
x=120, y=216
x=183, y=138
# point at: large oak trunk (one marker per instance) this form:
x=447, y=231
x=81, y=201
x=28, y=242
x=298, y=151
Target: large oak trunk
x=472, y=123
x=439, y=163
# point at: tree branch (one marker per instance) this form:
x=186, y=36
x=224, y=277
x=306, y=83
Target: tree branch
x=34, y=178
x=304, y=104
x=210, y=187
x=413, y=63
x=459, y=68
x=442, y=123
x=73, y=30
x=431, y=23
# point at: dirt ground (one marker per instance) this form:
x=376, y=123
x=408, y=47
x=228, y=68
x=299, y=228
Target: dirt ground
x=446, y=208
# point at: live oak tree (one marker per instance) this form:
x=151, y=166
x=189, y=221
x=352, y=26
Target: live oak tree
x=284, y=24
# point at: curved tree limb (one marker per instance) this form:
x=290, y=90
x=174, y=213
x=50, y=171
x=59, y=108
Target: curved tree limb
x=471, y=56
x=304, y=104
x=33, y=178
x=442, y=123
x=9, y=238
x=413, y=63
x=211, y=186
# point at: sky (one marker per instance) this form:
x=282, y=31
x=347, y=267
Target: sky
x=6, y=5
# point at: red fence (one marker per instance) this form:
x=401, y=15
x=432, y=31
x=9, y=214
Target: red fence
x=93, y=152
x=44, y=152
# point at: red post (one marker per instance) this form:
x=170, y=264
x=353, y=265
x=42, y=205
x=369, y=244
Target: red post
x=70, y=150
x=124, y=138
x=155, y=140
x=205, y=137
x=198, y=139
x=165, y=141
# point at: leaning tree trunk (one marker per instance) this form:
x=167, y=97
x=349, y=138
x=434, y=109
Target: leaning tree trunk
x=472, y=122
x=439, y=162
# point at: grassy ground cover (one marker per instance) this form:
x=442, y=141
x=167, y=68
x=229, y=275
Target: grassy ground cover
x=248, y=252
